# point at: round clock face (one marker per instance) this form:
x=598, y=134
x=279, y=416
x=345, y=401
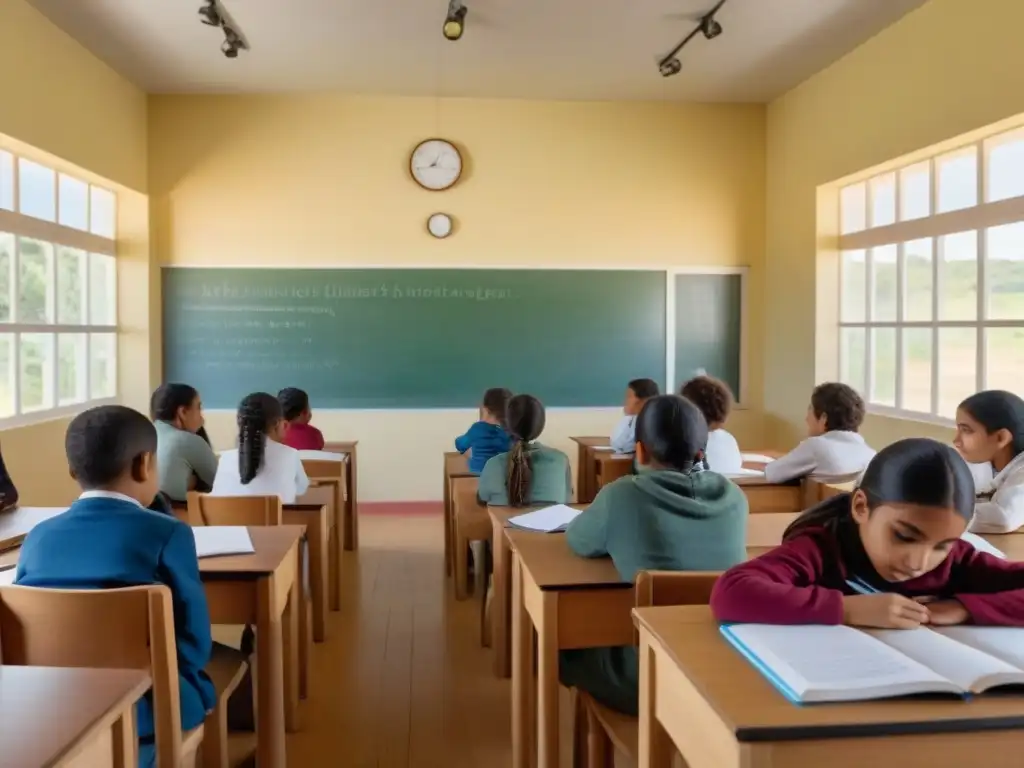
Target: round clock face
x=440, y=225
x=436, y=164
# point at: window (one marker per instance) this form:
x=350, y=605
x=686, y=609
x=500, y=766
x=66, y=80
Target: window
x=931, y=295
x=58, y=292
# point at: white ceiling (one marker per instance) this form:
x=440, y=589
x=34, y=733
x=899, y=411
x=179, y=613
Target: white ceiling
x=548, y=49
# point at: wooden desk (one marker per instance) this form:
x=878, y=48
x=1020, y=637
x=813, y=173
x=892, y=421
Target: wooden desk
x=72, y=718
x=609, y=467
x=1011, y=544
x=765, y=497
x=455, y=464
x=16, y=523
x=316, y=518
x=698, y=694
x=351, y=500
x=263, y=589
x=586, y=480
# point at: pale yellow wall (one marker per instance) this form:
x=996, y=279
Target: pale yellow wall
x=323, y=180
x=948, y=68
x=61, y=100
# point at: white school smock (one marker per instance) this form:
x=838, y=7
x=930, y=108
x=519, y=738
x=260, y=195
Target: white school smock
x=624, y=437
x=723, y=453
x=281, y=474
x=1000, y=504
x=834, y=457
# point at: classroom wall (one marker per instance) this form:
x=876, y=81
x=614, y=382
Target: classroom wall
x=76, y=112
x=949, y=67
x=322, y=180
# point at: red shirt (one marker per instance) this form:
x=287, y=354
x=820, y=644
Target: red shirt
x=804, y=580
x=304, y=437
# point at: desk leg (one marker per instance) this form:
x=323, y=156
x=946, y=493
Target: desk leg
x=655, y=748
x=334, y=558
x=581, y=471
x=270, y=696
x=351, y=521
x=294, y=649
x=125, y=740
x=447, y=525
x=522, y=674
x=317, y=536
x=547, y=681
x=501, y=600
x=303, y=622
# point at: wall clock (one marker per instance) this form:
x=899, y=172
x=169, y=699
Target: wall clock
x=435, y=164
x=439, y=225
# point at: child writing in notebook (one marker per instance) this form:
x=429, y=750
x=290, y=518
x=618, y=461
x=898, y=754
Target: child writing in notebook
x=669, y=517
x=990, y=431
x=834, y=451
x=261, y=465
x=487, y=437
x=888, y=555
x=638, y=392
x=530, y=473
x=300, y=435
x=714, y=399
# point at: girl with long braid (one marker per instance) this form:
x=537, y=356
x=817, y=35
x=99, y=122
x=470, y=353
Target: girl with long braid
x=261, y=465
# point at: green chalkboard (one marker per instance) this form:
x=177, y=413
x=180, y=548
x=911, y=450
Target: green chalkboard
x=413, y=338
x=708, y=327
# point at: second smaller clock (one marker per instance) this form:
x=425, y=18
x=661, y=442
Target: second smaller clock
x=439, y=225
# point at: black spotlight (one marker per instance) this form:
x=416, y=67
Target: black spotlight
x=710, y=27
x=455, y=21
x=670, y=67
x=669, y=64
x=232, y=44
x=209, y=14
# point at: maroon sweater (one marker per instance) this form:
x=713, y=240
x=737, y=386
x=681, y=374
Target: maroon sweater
x=803, y=581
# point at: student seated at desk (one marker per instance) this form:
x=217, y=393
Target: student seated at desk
x=300, y=434
x=8, y=493
x=888, y=555
x=990, y=431
x=261, y=465
x=487, y=437
x=530, y=473
x=186, y=460
x=107, y=539
x=638, y=392
x=834, y=451
x=714, y=399
x=670, y=517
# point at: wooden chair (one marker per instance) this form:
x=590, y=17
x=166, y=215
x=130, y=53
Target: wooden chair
x=204, y=509
x=472, y=528
x=599, y=731
x=120, y=628
x=816, y=491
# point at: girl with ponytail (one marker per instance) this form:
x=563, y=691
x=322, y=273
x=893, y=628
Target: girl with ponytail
x=529, y=473
x=261, y=465
x=888, y=555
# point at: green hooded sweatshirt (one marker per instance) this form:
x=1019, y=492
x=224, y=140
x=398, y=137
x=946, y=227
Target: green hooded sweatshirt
x=661, y=520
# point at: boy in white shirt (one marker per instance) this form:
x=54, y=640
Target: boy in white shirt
x=638, y=392
x=990, y=431
x=714, y=399
x=261, y=465
x=833, y=452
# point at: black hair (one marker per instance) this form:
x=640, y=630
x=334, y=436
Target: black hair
x=916, y=470
x=201, y=432
x=496, y=402
x=841, y=406
x=257, y=415
x=168, y=399
x=644, y=388
x=293, y=402
x=996, y=409
x=105, y=443
x=672, y=430
x=525, y=420
x=713, y=397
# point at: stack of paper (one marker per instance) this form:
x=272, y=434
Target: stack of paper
x=744, y=472
x=755, y=458
x=982, y=545
x=547, y=520
x=214, y=540
x=603, y=448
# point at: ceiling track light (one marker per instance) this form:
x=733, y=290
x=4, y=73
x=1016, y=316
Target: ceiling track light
x=209, y=15
x=455, y=21
x=233, y=43
x=708, y=25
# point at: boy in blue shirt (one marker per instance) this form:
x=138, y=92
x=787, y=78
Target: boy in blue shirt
x=487, y=437
x=108, y=539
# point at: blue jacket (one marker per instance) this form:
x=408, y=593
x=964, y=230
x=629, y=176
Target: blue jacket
x=105, y=542
x=485, y=440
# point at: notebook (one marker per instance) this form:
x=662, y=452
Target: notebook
x=756, y=458
x=547, y=520
x=216, y=540
x=815, y=664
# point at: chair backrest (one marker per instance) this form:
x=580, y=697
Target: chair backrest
x=816, y=491
x=672, y=588
x=317, y=468
x=204, y=509
x=130, y=628
x=464, y=493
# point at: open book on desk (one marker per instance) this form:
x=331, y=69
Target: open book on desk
x=814, y=664
x=217, y=540
x=552, y=519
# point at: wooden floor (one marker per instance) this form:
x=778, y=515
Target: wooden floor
x=402, y=679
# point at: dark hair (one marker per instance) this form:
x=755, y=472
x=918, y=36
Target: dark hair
x=104, y=443
x=201, y=432
x=525, y=420
x=293, y=402
x=496, y=402
x=257, y=414
x=644, y=388
x=912, y=471
x=713, y=397
x=841, y=406
x=996, y=409
x=168, y=399
x=672, y=430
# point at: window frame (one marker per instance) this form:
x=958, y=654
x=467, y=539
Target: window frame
x=20, y=226
x=979, y=219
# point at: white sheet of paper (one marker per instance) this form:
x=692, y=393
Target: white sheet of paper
x=7, y=577
x=756, y=458
x=982, y=545
x=322, y=455
x=603, y=448
x=547, y=520
x=214, y=540
x=622, y=455
x=744, y=472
